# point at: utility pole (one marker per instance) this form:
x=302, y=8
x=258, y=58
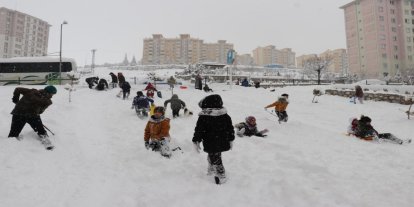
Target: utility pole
x=93, y=62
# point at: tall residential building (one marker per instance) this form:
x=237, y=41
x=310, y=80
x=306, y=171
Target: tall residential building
x=22, y=35
x=339, y=62
x=270, y=55
x=245, y=59
x=183, y=50
x=216, y=52
x=286, y=57
x=379, y=37
x=301, y=60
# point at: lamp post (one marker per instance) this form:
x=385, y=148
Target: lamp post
x=60, y=53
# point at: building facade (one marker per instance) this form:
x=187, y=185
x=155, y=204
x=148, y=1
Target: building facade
x=379, y=37
x=339, y=61
x=269, y=55
x=301, y=60
x=244, y=59
x=22, y=35
x=183, y=50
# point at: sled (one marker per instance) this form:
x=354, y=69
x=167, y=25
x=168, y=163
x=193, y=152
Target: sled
x=159, y=94
x=183, y=87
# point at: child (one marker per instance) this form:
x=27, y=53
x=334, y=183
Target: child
x=249, y=128
x=150, y=90
x=126, y=88
x=157, y=132
x=280, y=107
x=141, y=104
x=214, y=128
x=363, y=129
x=176, y=105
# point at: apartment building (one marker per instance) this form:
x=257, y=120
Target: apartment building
x=22, y=35
x=379, y=37
x=244, y=59
x=301, y=60
x=339, y=61
x=183, y=50
x=270, y=55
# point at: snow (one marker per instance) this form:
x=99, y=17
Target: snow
x=100, y=158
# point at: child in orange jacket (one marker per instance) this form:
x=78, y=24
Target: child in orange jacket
x=280, y=107
x=157, y=132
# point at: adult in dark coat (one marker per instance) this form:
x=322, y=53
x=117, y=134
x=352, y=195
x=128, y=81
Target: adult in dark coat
x=126, y=89
x=102, y=85
x=214, y=128
x=245, y=83
x=199, y=82
x=28, y=109
x=92, y=81
x=121, y=79
x=176, y=105
x=114, y=80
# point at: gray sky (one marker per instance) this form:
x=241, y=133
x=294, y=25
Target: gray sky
x=116, y=28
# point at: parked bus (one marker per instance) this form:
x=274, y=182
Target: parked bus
x=37, y=71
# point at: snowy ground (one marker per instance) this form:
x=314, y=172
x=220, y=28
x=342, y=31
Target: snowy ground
x=100, y=158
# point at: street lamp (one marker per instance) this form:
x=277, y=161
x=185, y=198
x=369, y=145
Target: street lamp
x=60, y=53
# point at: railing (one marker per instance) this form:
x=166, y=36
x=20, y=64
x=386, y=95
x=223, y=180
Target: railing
x=20, y=81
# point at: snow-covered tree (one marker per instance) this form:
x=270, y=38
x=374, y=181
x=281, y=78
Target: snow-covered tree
x=318, y=65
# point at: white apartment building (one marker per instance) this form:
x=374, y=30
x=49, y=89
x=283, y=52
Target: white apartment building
x=22, y=35
x=183, y=50
x=270, y=55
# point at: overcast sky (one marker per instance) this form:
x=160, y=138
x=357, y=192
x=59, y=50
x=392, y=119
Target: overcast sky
x=116, y=28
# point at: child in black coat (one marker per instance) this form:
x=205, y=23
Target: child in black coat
x=214, y=128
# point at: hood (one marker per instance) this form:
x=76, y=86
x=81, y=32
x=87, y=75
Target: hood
x=211, y=101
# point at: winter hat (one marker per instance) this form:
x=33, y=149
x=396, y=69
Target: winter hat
x=365, y=119
x=50, y=89
x=211, y=101
x=175, y=96
x=285, y=95
x=251, y=120
x=159, y=109
x=139, y=93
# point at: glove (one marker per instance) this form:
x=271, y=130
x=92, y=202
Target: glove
x=147, y=145
x=231, y=145
x=15, y=99
x=197, y=146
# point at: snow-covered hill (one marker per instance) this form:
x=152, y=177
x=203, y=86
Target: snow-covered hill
x=100, y=158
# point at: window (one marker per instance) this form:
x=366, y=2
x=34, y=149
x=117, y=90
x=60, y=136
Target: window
x=380, y=9
x=383, y=46
x=409, y=48
x=410, y=57
x=394, y=38
x=392, y=2
x=385, y=65
x=393, y=29
x=393, y=20
x=384, y=55
x=396, y=57
x=382, y=37
x=381, y=18
x=395, y=48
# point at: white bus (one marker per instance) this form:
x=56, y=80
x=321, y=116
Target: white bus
x=37, y=71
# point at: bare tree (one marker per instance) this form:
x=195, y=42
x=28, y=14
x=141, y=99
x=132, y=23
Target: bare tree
x=318, y=64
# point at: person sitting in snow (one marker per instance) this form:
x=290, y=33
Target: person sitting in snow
x=176, y=105
x=249, y=128
x=141, y=104
x=363, y=129
x=157, y=132
x=214, y=128
x=280, y=107
x=102, y=84
x=207, y=89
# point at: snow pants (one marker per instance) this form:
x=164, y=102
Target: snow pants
x=162, y=146
x=141, y=112
x=282, y=115
x=215, y=165
x=19, y=121
x=176, y=112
